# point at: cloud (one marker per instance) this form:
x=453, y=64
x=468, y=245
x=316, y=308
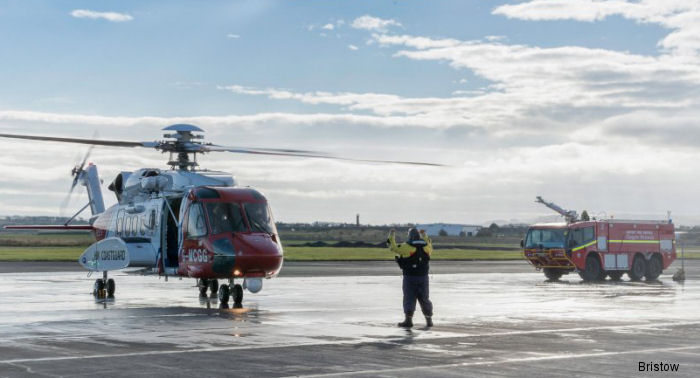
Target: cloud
x=533, y=90
x=445, y=112
x=251, y=121
x=554, y=85
x=490, y=183
x=681, y=16
x=233, y=36
x=109, y=16
x=602, y=129
x=461, y=92
x=368, y=22
x=494, y=38
x=589, y=127
x=353, y=47
x=417, y=42
x=329, y=26
x=582, y=10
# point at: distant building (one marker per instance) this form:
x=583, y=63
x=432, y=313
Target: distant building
x=434, y=229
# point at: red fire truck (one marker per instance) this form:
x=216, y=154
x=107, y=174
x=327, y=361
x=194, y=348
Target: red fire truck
x=599, y=248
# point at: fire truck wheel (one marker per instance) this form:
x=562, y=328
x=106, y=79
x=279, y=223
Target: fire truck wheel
x=202, y=284
x=653, y=268
x=601, y=276
x=237, y=294
x=592, y=272
x=214, y=286
x=224, y=293
x=615, y=275
x=553, y=274
x=639, y=267
x=111, y=287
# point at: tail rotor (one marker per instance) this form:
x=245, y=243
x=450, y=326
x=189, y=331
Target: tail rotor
x=77, y=174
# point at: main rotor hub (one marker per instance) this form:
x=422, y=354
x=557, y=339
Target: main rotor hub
x=183, y=144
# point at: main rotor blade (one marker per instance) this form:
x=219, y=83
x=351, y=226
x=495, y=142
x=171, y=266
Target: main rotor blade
x=308, y=154
x=113, y=143
x=215, y=148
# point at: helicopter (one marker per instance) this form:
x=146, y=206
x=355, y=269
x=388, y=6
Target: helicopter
x=183, y=221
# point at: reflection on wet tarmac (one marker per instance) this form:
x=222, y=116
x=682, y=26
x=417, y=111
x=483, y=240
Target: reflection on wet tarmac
x=340, y=303
x=54, y=314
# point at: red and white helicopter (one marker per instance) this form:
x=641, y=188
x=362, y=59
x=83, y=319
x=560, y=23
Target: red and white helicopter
x=183, y=221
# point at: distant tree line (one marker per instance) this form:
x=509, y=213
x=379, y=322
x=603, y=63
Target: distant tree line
x=506, y=230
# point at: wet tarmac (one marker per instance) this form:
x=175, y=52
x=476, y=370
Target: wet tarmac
x=493, y=320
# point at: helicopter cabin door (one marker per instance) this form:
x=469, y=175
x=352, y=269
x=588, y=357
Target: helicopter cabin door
x=169, y=242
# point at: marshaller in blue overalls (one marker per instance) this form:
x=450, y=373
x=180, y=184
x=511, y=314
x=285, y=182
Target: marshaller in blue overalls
x=414, y=259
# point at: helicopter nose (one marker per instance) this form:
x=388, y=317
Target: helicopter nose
x=257, y=255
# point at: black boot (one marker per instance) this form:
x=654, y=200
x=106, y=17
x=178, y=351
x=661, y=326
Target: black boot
x=408, y=322
x=428, y=321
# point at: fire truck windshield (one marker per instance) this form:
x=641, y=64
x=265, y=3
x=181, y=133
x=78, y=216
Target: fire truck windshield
x=225, y=217
x=260, y=218
x=545, y=238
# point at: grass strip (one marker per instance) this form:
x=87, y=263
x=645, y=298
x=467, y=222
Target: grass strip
x=291, y=253
x=40, y=253
x=295, y=253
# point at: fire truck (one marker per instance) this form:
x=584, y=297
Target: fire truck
x=597, y=249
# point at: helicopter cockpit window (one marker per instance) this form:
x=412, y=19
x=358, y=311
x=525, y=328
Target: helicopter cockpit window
x=196, y=226
x=225, y=217
x=260, y=218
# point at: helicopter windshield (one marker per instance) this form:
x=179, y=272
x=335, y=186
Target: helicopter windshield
x=545, y=238
x=225, y=217
x=260, y=218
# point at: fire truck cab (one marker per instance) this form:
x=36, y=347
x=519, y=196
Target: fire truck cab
x=599, y=248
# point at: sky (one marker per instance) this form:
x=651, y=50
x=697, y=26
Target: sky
x=591, y=104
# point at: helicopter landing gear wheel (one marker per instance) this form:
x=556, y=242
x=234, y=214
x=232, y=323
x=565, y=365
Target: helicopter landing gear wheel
x=224, y=293
x=111, y=287
x=214, y=286
x=237, y=294
x=202, y=284
x=99, y=287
